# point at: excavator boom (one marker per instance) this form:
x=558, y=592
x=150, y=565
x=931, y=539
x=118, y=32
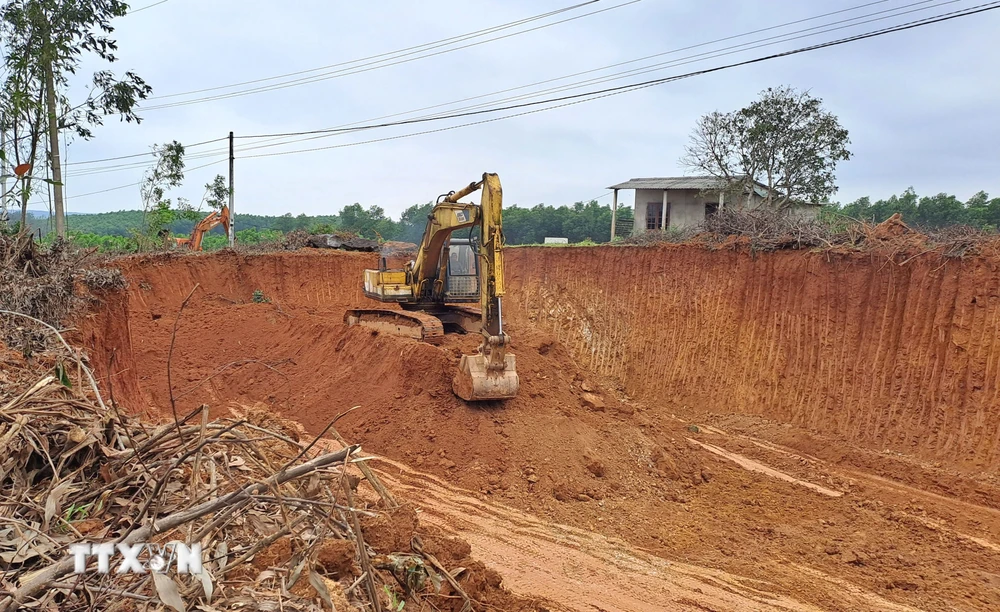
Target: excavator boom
x=214, y=219
x=448, y=271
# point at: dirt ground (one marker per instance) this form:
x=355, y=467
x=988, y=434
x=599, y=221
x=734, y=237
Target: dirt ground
x=574, y=492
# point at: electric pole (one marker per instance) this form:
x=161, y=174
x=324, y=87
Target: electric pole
x=232, y=215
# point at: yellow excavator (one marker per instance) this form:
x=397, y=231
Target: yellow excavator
x=450, y=270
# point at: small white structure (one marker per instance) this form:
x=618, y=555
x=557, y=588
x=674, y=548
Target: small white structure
x=556, y=240
x=683, y=201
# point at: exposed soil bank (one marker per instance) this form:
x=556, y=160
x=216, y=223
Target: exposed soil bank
x=901, y=354
x=568, y=451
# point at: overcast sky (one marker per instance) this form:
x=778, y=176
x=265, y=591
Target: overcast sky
x=921, y=106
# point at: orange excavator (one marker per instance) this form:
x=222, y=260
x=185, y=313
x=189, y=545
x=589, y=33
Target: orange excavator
x=213, y=220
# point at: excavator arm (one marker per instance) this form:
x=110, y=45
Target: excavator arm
x=207, y=224
x=491, y=373
x=429, y=301
x=426, y=275
x=213, y=220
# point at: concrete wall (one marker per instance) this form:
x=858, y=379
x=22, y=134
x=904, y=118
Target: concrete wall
x=804, y=212
x=687, y=208
x=642, y=197
x=742, y=203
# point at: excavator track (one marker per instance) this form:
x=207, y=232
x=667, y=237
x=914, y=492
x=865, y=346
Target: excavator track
x=405, y=323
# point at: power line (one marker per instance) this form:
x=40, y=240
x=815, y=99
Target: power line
x=423, y=46
x=333, y=131
x=633, y=72
x=588, y=200
x=83, y=195
x=598, y=93
x=133, y=166
x=147, y=153
x=279, y=136
x=735, y=36
x=148, y=6
x=538, y=102
x=373, y=65
x=136, y=183
x=731, y=50
x=612, y=91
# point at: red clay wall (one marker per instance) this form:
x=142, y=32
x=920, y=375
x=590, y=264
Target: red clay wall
x=887, y=355
x=894, y=356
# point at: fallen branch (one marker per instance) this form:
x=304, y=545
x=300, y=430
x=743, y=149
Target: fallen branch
x=44, y=578
x=170, y=355
x=90, y=375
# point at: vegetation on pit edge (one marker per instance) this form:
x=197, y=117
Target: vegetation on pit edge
x=582, y=223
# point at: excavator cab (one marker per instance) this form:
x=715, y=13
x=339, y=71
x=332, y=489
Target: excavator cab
x=462, y=277
x=459, y=261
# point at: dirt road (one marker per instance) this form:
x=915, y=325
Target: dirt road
x=585, y=571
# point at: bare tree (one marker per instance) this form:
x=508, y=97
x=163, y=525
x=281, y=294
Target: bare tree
x=784, y=141
x=23, y=120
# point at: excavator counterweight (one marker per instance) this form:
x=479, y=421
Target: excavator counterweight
x=450, y=270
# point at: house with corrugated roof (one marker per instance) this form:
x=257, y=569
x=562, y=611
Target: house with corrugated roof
x=684, y=201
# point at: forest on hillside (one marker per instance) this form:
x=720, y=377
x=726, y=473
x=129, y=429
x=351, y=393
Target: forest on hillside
x=580, y=222
x=929, y=212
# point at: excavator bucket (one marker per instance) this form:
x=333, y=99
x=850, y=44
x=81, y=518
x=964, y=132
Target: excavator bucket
x=475, y=382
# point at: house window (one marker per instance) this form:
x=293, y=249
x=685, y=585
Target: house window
x=654, y=215
x=711, y=208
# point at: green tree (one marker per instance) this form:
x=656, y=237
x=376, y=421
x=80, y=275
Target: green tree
x=22, y=118
x=413, y=222
x=45, y=42
x=937, y=211
x=216, y=192
x=165, y=173
x=784, y=140
x=369, y=223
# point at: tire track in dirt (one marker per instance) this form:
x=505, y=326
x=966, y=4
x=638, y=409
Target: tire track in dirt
x=585, y=571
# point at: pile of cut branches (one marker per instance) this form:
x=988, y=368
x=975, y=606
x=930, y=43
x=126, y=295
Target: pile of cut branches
x=760, y=229
x=767, y=229
x=76, y=470
x=41, y=282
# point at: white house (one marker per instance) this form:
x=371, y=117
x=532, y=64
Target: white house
x=683, y=201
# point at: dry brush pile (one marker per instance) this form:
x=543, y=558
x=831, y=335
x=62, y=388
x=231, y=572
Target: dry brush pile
x=76, y=470
x=281, y=520
x=764, y=229
x=43, y=283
